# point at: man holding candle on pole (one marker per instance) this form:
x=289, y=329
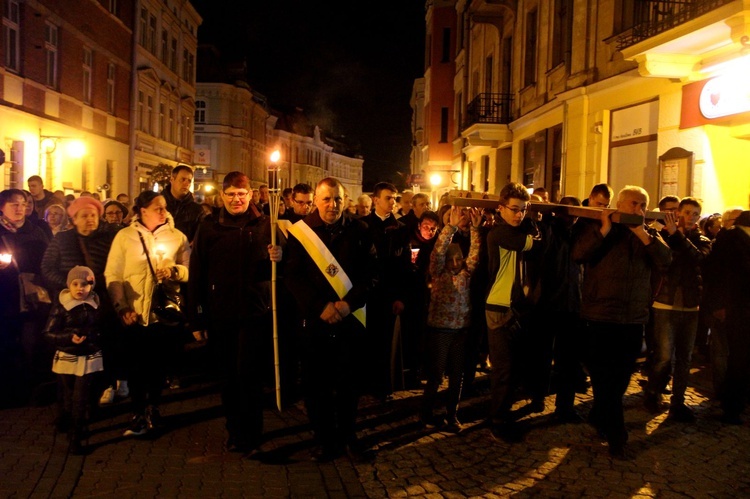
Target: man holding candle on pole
x=229, y=303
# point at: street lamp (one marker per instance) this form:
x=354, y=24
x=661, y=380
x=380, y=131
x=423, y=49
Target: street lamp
x=48, y=144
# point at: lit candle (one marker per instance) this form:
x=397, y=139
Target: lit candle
x=5, y=258
x=160, y=251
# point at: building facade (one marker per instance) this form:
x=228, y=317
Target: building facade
x=166, y=45
x=232, y=128
x=565, y=94
x=65, y=94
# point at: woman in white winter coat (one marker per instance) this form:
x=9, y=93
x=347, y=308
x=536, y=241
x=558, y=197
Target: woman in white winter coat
x=131, y=285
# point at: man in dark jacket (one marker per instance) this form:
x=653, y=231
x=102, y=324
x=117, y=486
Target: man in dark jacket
x=675, y=309
x=187, y=214
x=302, y=202
x=42, y=197
x=615, y=299
x=331, y=292
x=229, y=304
x=727, y=297
x=391, y=241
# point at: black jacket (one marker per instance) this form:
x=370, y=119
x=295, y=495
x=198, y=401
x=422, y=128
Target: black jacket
x=230, y=271
x=66, y=251
x=688, y=252
x=349, y=242
x=27, y=246
x=391, y=241
x=187, y=214
x=617, y=273
x=83, y=319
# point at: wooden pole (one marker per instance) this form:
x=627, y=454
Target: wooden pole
x=273, y=201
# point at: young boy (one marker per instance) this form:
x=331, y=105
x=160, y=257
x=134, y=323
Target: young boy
x=507, y=243
x=73, y=329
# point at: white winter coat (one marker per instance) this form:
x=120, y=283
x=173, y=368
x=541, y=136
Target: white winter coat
x=129, y=280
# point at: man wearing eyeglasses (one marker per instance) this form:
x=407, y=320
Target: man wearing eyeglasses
x=302, y=203
x=229, y=303
x=509, y=244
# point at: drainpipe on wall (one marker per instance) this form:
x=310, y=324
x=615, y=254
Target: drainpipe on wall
x=132, y=167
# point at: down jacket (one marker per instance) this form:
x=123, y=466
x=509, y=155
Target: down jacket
x=129, y=281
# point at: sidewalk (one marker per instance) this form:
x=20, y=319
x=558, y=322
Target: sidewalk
x=705, y=459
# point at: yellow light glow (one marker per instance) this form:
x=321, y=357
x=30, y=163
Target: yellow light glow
x=275, y=156
x=208, y=188
x=436, y=179
x=76, y=148
x=48, y=146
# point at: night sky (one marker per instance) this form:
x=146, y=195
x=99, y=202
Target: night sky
x=350, y=65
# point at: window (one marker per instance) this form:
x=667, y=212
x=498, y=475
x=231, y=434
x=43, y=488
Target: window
x=162, y=124
x=170, y=126
x=191, y=69
x=50, y=54
x=86, y=72
x=149, y=114
x=111, y=88
x=165, y=47
x=184, y=64
x=152, y=34
x=529, y=66
x=11, y=28
x=141, y=117
x=173, y=55
x=444, y=124
x=200, y=111
x=561, y=32
x=446, y=45
x=488, y=64
x=143, y=23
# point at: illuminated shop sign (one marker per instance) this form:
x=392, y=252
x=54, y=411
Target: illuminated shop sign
x=724, y=96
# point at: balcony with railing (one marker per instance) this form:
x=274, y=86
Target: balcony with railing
x=653, y=17
x=492, y=108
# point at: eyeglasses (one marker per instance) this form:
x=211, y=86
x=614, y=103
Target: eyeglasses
x=515, y=210
x=238, y=195
x=301, y=203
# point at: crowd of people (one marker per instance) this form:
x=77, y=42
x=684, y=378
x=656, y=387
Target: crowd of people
x=377, y=294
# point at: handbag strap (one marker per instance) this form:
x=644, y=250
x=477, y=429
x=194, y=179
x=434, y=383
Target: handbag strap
x=148, y=259
x=85, y=251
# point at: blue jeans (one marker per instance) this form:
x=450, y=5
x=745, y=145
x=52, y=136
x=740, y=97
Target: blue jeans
x=674, y=339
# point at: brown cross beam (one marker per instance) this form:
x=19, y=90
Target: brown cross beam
x=478, y=200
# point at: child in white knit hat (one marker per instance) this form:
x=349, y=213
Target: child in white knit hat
x=74, y=329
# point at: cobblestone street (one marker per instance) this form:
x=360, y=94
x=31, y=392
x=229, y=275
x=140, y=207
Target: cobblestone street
x=705, y=459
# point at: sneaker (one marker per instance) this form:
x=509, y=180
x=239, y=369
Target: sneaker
x=122, y=388
x=153, y=418
x=138, y=426
x=108, y=396
x=681, y=413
